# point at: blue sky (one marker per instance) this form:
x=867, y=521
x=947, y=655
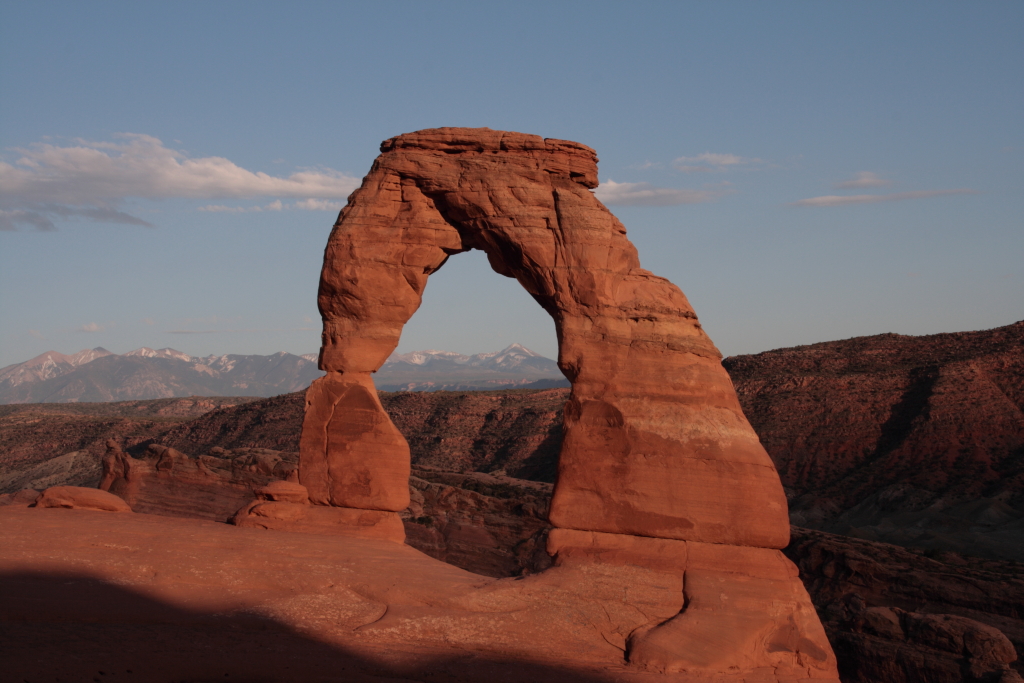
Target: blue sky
x=804, y=171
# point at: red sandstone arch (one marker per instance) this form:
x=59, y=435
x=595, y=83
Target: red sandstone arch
x=656, y=444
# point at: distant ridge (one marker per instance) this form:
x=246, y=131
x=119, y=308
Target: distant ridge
x=97, y=375
x=513, y=367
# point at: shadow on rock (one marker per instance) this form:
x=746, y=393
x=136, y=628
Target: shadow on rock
x=74, y=627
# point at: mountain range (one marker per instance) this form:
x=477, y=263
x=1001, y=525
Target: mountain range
x=97, y=375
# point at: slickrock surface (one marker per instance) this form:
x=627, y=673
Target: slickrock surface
x=655, y=441
x=141, y=597
x=912, y=440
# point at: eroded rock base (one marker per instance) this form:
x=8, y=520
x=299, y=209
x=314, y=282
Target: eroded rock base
x=736, y=608
x=284, y=506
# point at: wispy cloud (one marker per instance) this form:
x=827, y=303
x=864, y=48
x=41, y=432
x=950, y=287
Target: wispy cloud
x=278, y=205
x=37, y=334
x=646, y=165
x=645, y=194
x=318, y=205
x=713, y=161
x=861, y=180
x=92, y=179
x=275, y=205
x=90, y=327
x=839, y=200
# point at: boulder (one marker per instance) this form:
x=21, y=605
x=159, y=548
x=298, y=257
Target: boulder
x=23, y=498
x=80, y=498
x=284, y=491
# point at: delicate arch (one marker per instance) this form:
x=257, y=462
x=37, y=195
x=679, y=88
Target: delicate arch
x=656, y=444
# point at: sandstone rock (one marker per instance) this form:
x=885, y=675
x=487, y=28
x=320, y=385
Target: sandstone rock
x=22, y=498
x=78, y=498
x=166, y=481
x=352, y=455
x=321, y=519
x=657, y=455
x=655, y=441
x=284, y=491
x=571, y=546
x=745, y=609
x=284, y=506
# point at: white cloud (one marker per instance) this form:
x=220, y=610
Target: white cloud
x=645, y=194
x=275, y=205
x=839, y=200
x=713, y=161
x=862, y=179
x=304, y=204
x=318, y=205
x=646, y=165
x=90, y=327
x=90, y=179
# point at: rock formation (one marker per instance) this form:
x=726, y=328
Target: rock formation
x=166, y=481
x=657, y=456
x=81, y=498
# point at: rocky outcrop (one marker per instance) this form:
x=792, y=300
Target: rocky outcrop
x=166, y=481
x=656, y=450
x=23, y=498
x=80, y=498
x=284, y=505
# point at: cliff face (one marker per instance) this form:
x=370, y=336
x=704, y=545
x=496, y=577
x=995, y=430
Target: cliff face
x=912, y=440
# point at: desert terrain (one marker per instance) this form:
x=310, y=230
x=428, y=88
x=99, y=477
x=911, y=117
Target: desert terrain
x=484, y=464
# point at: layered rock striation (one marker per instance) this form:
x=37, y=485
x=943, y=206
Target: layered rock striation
x=658, y=465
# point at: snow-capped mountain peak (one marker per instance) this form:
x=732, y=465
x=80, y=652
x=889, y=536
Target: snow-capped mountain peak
x=146, y=352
